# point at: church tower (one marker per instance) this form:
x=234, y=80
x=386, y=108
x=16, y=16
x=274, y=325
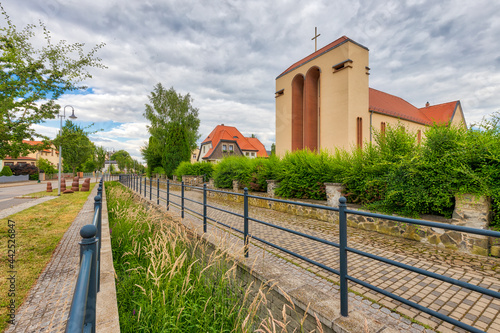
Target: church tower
x=322, y=100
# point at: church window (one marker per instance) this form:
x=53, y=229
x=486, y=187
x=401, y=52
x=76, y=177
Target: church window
x=359, y=132
x=311, y=109
x=298, y=113
x=382, y=129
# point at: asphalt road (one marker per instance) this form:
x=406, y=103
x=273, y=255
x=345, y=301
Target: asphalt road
x=8, y=194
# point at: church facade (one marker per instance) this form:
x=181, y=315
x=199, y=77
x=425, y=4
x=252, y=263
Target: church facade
x=323, y=102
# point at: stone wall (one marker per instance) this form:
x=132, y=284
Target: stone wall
x=465, y=215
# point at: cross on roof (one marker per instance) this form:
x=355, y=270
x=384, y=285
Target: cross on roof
x=316, y=35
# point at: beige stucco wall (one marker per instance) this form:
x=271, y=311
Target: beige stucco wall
x=343, y=98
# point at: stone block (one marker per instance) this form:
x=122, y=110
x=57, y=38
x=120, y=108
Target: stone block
x=333, y=193
x=495, y=251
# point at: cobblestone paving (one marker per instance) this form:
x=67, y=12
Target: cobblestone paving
x=462, y=304
x=46, y=308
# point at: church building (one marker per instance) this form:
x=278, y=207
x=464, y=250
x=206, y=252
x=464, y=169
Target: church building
x=324, y=102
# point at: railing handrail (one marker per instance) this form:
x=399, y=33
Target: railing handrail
x=343, y=248
x=82, y=315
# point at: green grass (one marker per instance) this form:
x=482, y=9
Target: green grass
x=38, y=230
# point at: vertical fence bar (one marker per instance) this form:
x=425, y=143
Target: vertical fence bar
x=182, y=199
x=150, y=187
x=168, y=194
x=145, y=185
x=140, y=185
x=245, y=220
x=204, y=207
x=344, y=310
x=98, y=205
x=158, y=191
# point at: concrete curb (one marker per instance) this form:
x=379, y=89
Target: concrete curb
x=107, y=320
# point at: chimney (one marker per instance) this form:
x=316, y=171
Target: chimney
x=427, y=104
x=222, y=124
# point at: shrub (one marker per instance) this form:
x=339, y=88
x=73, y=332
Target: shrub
x=204, y=169
x=6, y=171
x=47, y=167
x=302, y=174
x=233, y=168
x=24, y=169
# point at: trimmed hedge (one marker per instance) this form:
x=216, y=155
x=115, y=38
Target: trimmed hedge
x=6, y=171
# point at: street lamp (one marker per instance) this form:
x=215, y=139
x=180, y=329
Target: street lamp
x=60, y=148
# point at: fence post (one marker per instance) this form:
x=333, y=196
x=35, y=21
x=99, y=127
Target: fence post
x=245, y=220
x=158, y=191
x=145, y=185
x=140, y=185
x=88, y=244
x=150, y=187
x=168, y=194
x=344, y=310
x=182, y=199
x=204, y=207
x=98, y=205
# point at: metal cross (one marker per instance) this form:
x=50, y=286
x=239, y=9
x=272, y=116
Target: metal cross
x=316, y=38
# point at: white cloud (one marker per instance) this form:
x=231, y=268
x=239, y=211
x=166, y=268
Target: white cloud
x=227, y=54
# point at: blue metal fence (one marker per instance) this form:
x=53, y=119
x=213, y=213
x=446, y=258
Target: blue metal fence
x=82, y=315
x=343, y=247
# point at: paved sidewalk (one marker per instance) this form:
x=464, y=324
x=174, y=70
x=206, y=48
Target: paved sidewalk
x=46, y=308
x=480, y=311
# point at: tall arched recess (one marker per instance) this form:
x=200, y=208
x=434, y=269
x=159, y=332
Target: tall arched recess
x=298, y=112
x=311, y=108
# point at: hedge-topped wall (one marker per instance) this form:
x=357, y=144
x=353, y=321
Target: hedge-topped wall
x=394, y=175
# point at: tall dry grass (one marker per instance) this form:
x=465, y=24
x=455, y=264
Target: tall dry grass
x=169, y=281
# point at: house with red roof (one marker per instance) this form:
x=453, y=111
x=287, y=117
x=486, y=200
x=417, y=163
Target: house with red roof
x=51, y=154
x=324, y=102
x=228, y=141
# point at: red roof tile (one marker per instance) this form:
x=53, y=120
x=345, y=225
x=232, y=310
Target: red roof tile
x=391, y=105
x=319, y=52
x=230, y=133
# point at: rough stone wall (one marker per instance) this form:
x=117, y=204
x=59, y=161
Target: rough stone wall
x=453, y=240
x=192, y=180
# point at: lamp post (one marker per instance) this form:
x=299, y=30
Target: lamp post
x=60, y=147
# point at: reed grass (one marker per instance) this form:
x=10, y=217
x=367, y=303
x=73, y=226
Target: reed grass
x=169, y=281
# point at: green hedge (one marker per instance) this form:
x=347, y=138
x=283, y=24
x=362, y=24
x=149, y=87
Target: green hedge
x=6, y=171
x=204, y=169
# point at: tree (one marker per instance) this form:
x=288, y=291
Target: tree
x=76, y=146
x=174, y=129
x=100, y=159
x=32, y=79
x=46, y=166
x=123, y=159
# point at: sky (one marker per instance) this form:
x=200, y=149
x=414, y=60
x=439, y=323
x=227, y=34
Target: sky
x=227, y=55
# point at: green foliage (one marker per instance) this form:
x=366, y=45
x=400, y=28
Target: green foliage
x=303, y=174
x=6, y=171
x=76, y=146
x=123, y=159
x=32, y=79
x=46, y=166
x=233, y=168
x=173, y=127
x=167, y=281
x=159, y=171
x=204, y=169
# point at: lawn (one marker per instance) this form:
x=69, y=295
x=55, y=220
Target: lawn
x=38, y=230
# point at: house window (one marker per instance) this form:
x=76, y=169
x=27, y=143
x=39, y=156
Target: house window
x=419, y=136
x=253, y=154
x=382, y=129
x=246, y=153
x=359, y=131
x=230, y=147
x=12, y=163
x=224, y=147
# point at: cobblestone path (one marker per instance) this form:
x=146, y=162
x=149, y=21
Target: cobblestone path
x=472, y=308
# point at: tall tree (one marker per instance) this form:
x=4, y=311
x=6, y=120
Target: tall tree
x=32, y=79
x=123, y=159
x=174, y=128
x=76, y=146
x=100, y=154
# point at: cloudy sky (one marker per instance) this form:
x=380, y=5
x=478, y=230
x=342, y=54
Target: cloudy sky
x=227, y=54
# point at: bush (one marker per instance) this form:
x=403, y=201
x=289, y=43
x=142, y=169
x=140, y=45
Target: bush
x=302, y=174
x=6, y=171
x=47, y=167
x=204, y=169
x=24, y=169
x=233, y=168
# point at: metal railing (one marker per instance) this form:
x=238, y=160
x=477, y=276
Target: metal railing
x=82, y=315
x=135, y=183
